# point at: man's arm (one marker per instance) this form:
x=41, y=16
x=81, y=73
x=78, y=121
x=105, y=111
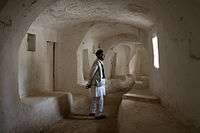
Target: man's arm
x=92, y=74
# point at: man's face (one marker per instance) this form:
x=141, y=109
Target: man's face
x=101, y=56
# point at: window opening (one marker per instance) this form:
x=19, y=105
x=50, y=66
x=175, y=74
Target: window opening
x=155, y=52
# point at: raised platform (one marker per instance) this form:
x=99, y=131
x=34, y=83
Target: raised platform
x=140, y=112
x=39, y=112
x=143, y=95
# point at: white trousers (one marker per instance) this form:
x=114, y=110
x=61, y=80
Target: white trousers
x=97, y=105
x=98, y=91
x=97, y=99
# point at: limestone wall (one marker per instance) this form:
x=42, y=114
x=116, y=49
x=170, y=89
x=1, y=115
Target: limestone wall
x=177, y=82
x=140, y=61
x=66, y=56
x=11, y=35
x=36, y=67
x=122, y=59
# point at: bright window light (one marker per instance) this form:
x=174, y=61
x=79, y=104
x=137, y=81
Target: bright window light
x=155, y=51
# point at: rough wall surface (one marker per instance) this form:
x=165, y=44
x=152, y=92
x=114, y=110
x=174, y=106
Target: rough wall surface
x=177, y=82
x=69, y=40
x=140, y=61
x=2, y=4
x=35, y=67
x=122, y=59
x=11, y=35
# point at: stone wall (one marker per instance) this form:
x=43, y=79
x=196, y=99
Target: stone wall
x=177, y=82
x=69, y=40
x=36, y=67
x=17, y=21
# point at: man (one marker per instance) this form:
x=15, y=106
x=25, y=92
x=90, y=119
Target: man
x=96, y=84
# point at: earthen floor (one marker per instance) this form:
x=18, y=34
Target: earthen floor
x=123, y=116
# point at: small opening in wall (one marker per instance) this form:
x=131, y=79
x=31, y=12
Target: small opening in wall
x=31, y=42
x=155, y=51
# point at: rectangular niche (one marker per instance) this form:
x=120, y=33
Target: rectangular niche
x=31, y=42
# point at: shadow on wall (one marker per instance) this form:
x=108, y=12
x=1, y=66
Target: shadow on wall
x=2, y=4
x=65, y=104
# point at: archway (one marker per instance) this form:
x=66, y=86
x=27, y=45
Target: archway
x=120, y=60
x=102, y=35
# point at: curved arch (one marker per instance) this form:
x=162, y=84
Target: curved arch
x=93, y=38
x=140, y=62
x=110, y=43
x=11, y=35
x=122, y=59
x=117, y=59
x=123, y=38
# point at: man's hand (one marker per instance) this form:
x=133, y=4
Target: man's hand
x=88, y=86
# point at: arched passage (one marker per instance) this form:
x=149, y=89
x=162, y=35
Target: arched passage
x=125, y=39
x=123, y=55
x=97, y=37
x=174, y=26
x=117, y=60
x=139, y=63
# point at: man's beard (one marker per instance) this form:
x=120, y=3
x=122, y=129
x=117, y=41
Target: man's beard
x=101, y=58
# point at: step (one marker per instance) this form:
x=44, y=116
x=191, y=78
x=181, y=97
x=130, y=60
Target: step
x=144, y=95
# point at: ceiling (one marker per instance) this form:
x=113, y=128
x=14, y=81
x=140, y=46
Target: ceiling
x=69, y=12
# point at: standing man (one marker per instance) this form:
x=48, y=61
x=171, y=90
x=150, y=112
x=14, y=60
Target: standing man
x=96, y=84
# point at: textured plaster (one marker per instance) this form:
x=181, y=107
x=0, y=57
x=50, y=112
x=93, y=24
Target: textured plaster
x=122, y=59
x=176, y=81
x=66, y=12
x=10, y=39
x=35, y=68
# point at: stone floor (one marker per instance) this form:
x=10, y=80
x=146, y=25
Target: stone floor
x=143, y=117
x=124, y=116
x=79, y=122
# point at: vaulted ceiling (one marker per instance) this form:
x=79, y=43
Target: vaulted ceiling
x=65, y=12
